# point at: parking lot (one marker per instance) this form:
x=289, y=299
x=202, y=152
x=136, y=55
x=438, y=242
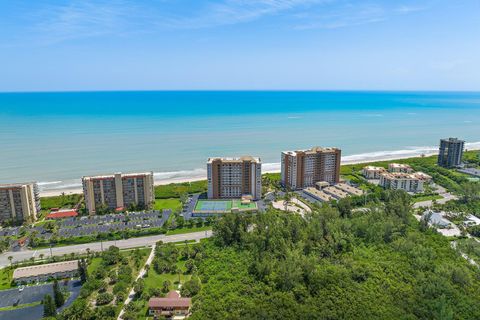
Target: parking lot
x=33, y=294
x=79, y=226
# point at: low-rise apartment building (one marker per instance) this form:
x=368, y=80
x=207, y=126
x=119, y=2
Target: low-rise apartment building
x=349, y=189
x=317, y=194
x=44, y=272
x=234, y=177
x=399, y=167
x=303, y=168
x=118, y=191
x=19, y=202
x=372, y=173
x=409, y=182
x=335, y=192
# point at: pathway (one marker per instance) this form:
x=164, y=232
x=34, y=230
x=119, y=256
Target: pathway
x=142, y=272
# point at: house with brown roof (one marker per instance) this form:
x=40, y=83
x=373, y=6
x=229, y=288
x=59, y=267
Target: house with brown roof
x=172, y=306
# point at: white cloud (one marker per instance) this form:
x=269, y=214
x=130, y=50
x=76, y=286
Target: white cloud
x=235, y=11
x=81, y=19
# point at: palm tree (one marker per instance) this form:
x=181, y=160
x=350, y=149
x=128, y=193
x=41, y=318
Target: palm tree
x=288, y=198
x=10, y=258
x=41, y=255
x=88, y=252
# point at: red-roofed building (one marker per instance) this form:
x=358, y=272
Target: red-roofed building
x=62, y=214
x=171, y=306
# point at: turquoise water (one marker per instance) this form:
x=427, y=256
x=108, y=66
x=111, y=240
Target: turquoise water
x=55, y=138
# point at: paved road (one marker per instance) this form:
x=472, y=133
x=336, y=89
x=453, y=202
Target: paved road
x=97, y=246
x=446, y=196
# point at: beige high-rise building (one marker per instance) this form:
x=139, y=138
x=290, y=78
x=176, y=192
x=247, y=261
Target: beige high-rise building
x=234, y=177
x=303, y=168
x=118, y=191
x=19, y=202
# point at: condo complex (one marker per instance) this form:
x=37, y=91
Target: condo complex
x=118, y=191
x=19, y=202
x=234, y=177
x=303, y=168
x=397, y=177
x=450, y=152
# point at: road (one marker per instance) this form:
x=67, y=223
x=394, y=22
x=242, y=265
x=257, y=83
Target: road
x=142, y=272
x=441, y=191
x=99, y=246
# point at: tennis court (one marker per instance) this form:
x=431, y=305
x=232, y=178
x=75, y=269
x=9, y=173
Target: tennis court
x=213, y=205
x=222, y=206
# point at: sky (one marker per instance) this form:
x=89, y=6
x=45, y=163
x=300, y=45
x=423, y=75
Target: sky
x=76, y=45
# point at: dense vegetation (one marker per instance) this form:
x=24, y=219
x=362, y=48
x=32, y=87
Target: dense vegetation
x=176, y=190
x=108, y=279
x=380, y=264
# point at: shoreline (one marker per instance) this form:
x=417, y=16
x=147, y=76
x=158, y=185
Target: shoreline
x=385, y=157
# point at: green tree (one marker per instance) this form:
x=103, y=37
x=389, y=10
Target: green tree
x=166, y=286
x=49, y=309
x=57, y=294
x=190, y=288
x=83, y=270
x=111, y=255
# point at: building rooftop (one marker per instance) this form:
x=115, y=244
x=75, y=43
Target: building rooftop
x=322, y=184
x=312, y=150
x=422, y=176
x=347, y=188
x=373, y=168
x=318, y=194
x=437, y=219
x=400, y=175
x=453, y=140
x=235, y=159
x=124, y=175
x=45, y=269
x=394, y=166
x=172, y=300
x=62, y=214
x=335, y=192
x=15, y=185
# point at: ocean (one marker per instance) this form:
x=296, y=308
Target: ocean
x=56, y=138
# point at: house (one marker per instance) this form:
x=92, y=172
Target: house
x=44, y=272
x=437, y=220
x=172, y=306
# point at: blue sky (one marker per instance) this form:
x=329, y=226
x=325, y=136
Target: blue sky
x=237, y=44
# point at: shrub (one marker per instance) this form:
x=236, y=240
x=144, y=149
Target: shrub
x=104, y=298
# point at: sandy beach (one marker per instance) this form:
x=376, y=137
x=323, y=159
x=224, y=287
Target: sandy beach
x=272, y=168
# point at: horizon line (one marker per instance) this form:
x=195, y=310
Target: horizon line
x=244, y=90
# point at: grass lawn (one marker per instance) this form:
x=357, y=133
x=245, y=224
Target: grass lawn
x=6, y=278
x=188, y=230
x=20, y=306
x=94, y=265
x=171, y=203
x=155, y=280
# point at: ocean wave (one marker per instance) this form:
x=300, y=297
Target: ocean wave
x=201, y=173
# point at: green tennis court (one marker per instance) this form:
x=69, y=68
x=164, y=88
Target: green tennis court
x=223, y=206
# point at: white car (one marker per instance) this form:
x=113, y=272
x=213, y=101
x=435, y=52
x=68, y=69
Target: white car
x=20, y=289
